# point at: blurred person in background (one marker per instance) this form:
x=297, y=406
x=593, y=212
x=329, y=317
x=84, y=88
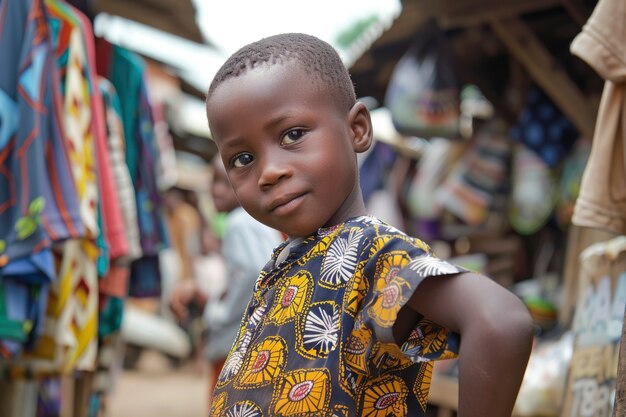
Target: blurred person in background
x=246, y=245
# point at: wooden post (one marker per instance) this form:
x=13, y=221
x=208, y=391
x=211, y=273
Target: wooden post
x=546, y=72
x=619, y=408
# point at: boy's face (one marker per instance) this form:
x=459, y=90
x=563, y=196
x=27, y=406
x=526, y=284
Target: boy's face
x=288, y=149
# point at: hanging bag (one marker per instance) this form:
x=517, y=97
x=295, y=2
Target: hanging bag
x=423, y=92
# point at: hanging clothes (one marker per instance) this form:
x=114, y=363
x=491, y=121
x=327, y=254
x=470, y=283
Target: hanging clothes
x=114, y=234
x=116, y=282
x=76, y=316
x=77, y=109
x=79, y=195
x=127, y=74
x=602, y=44
x=39, y=198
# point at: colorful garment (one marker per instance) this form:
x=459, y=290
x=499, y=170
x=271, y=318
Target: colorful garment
x=121, y=175
x=112, y=224
x=23, y=286
x=38, y=198
x=68, y=41
x=316, y=338
x=601, y=203
x=149, y=201
x=69, y=338
x=37, y=195
x=142, y=156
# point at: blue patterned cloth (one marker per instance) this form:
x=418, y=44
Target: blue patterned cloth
x=544, y=129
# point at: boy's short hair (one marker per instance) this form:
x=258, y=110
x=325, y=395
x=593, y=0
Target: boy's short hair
x=316, y=56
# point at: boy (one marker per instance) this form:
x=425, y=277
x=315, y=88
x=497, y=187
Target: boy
x=337, y=324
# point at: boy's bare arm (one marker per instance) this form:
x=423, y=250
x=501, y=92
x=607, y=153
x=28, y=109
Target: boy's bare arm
x=496, y=338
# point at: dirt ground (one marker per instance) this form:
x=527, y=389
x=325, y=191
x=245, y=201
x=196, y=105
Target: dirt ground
x=157, y=389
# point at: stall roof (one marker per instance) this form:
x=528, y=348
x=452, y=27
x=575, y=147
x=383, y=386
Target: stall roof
x=177, y=17
x=193, y=37
x=489, y=38
x=174, y=32
x=373, y=69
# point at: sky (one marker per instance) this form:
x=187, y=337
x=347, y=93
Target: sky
x=233, y=23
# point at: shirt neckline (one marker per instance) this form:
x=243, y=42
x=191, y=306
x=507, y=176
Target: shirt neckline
x=298, y=245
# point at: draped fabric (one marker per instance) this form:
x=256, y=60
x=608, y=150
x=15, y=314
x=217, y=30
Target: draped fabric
x=78, y=198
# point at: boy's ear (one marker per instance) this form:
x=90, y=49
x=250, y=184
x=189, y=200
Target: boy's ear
x=361, y=127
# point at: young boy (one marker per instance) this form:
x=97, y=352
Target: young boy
x=348, y=314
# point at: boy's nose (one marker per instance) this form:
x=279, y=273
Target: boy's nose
x=273, y=171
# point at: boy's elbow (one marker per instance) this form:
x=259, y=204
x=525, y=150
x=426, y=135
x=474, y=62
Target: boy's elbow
x=520, y=322
x=511, y=325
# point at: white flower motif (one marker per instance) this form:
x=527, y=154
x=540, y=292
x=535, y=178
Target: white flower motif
x=244, y=409
x=341, y=259
x=321, y=329
x=246, y=339
x=257, y=316
x=392, y=230
x=368, y=220
x=232, y=366
x=428, y=266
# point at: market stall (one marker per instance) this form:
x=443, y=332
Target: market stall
x=519, y=56
x=485, y=119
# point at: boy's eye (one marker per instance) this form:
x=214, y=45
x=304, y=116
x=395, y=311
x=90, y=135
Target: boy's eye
x=242, y=160
x=292, y=136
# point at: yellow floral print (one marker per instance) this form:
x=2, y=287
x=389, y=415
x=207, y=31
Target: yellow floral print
x=302, y=392
x=356, y=349
x=388, y=356
x=291, y=298
x=244, y=409
x=317, y=334
x=341, y=411
x=389, y=288
x=217, y=405
x=265, y=361
x=313, y=338
x=385, y=396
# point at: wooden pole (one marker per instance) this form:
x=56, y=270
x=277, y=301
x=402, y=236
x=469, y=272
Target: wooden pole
x=546, y=71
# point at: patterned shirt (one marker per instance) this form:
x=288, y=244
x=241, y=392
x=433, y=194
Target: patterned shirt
x=316, y=338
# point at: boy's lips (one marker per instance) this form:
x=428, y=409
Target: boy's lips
x=285, y=202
